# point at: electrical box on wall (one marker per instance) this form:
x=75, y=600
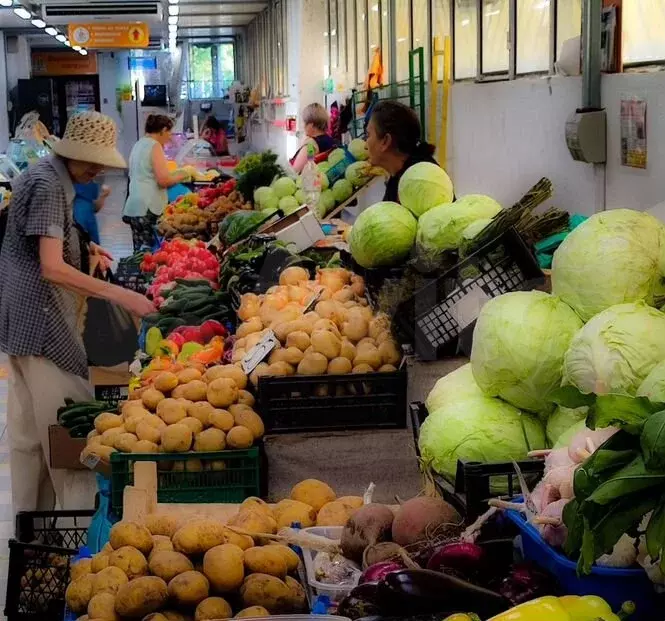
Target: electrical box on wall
x=586, y=136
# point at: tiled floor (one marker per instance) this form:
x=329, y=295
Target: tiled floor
x=115, y=237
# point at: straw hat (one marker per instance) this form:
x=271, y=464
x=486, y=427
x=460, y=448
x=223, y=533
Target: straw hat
x=91, y=137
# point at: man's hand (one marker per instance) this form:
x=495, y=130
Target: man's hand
x=135, y=303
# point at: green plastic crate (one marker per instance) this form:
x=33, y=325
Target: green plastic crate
x=239, y=480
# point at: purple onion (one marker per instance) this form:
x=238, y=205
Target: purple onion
x=377, y=572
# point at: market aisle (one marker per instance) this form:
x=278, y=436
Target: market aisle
x=115, y=235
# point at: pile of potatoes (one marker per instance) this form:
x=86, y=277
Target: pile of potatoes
x=182, y=412
x=341, y=335
x=168, y=571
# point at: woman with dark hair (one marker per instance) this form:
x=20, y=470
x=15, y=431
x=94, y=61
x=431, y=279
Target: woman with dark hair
x=214, y=133
x=394, y=144
x=149, y=178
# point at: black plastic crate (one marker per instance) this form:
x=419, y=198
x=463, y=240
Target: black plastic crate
x=37, y=578
x=130, y=276
x=471, y=490
x=375, y=278
x=446, y=309
x=309, y=403
x=62, y=529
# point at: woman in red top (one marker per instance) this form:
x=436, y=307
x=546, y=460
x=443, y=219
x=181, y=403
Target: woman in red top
x=213, y=133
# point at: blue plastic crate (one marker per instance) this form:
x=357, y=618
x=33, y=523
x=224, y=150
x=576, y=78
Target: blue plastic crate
x=336, y=172
x=615, y=586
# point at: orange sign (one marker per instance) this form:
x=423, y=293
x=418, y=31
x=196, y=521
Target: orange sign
x=107, y=36
x=63, y=63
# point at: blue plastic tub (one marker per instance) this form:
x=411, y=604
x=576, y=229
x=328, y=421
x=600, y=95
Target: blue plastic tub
x=337, y=171
x=615, y=586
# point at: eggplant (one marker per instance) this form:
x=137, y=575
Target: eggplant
x=363, y=601
x=421, y=591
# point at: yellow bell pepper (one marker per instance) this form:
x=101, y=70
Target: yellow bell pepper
x=587, y=608
x=547, y=608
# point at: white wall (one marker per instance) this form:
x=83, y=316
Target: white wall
x=18, y=63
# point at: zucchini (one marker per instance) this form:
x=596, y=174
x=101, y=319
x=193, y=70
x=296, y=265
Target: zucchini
x=80, y=431
x=186, y=282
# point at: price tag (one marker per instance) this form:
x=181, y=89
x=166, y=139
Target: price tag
x=91, y=461
x=313, y=302
x=259, y=352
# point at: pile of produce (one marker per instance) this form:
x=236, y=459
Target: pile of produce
x=79, y=416
x=182, y=409
x=256, y=170
x=205, y=344
x=340, y=335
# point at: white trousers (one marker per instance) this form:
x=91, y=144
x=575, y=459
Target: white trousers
x=37, y=388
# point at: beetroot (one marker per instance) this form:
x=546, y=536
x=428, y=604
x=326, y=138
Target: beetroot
x=419, y=518
x=466, y=560
x=368, y=525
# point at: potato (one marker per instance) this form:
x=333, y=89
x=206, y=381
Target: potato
x=313, y=364
x=135, y=417
x=368, y=354
x=290, y=355
x=193, y=424
x=195, y=390
x=166, y=381
x=352, y=502
x=313, y=493
x=339, y=366
x=250, y=419
x=216, y=465
x=201, y=411
x=171, y=615
x=198, y=536
x=334, y=513
x=106, y=421
x=222, y=392
x=98, y=450
x=189, y=589
x=94, y=438
x=362, y=368
x=298, y=339
x=81, y=568
x=149, y=428
x=160, y=543
x=130, y=560
x=253, y=324
x=131, y=534
x=298, y=595
x=224, y=567
x=100, y=561
x=171, y=411
x=293, y=275
x=239, y=438
x=151, y=398
x=221, y=419
x=238, y=354
x=188, y=375
x=79, y=594
x=290, y=557
x=253, y=612
x=266, y=591
x=379, y=324
x=212, y=609
x=176, y=439
x=347, y=349
x=191, y=465
x=141, y=597
x=246, y=398
x=125, y=442
x=289, y=511
x=255, y=504
x=355, y=328
x=108, y=438
x=260, y=371
x=254, y=522
x=389, y=353
x=280, y=369
x=178, y=391
x=387, y=368
x=132, y=408
x=250, y=304
x=230, y=371
x=283, y=329
x=102, y=607
x=244, y=542
x=265, y=560
x=326, y=343
x=366, y=341
x=109, y=580
x=145, y=446
x=209, y=441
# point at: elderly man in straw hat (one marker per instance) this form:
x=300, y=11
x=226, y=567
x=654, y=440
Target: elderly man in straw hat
x=42, y=308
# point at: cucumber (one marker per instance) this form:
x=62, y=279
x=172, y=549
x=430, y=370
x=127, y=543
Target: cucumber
x=186, y=282
x=80, y=431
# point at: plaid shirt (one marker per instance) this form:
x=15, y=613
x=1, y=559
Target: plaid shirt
x=39, y=318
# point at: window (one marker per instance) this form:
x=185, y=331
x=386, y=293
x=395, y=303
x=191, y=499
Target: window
x=211, y=69
x=466, y=46
x=374, y=19
x=643, y=27
x=403, y=39
x=342, y=41
x=421, y=37
x=495, y=52
x=333, y=34
x=361, y=39
x=568, y=22
x=533, y=36
x=351, y=50
x=386, y=47
x=440, y=27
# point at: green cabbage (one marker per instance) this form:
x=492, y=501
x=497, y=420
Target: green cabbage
x=480, y=203
x=455, y=386
x=616, y=350
x=441, y=228
x=284, y=186
x=566, y=437
x=324, y=167
x=326, y=203
x=613, y=257
x=480, y=429
x=356, y=173
x=270, y=201
x=475, y=228
x=336, y=156
x=342, y=190
x=382, y=235
x=358, y=148
x=653, y=386
x=519, y=343
x=300, y=197
x=288, y=205
x=562, y=420
x=423, y=186
x=263, y=194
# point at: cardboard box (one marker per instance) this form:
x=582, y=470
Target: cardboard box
x=301, y=228
x=110, y=383
x=65, y=451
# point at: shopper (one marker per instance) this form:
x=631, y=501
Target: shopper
x=394, y=144
x=42, y=309
x=90, y=198
x=315, y=119
x=149, y=178
x=214, y=133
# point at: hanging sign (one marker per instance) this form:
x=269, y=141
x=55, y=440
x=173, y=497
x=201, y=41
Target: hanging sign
x=63, y=63
x=110, y=35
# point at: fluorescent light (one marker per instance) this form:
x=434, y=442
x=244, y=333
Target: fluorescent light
x=173, y=19
x=173, y=1
x=401, y=40
x=83, y=52
x=39, y=23
x=6, y=2
x=466, y=22
x=62, y=38
x=51, y=31
x=173, y=28
x=174, y=9
x=67, y=43
x=76, y=48
x=333, y=33
x=22, y=12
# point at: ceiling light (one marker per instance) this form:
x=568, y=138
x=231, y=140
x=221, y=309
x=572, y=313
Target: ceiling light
x=83, y=52
x=173, y=19
x=22, y=12
x=39, y=23
x=173, y=28
x=6, y=2
x=173, y=1
x=466, y=22
x=62, y=38
x=76, y=48
x=174, y=9
x=51, y=31
x=67, y=43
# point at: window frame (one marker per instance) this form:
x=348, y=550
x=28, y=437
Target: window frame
x=218, y=88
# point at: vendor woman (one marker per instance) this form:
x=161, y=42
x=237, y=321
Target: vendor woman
x=393, y=141
x=315, y=119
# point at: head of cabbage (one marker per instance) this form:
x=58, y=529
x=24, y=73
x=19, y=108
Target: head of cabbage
x=356, y=173
x=336, y=156
x=653, y=386
x=563, y=422
x=326, y=203
x=480, y=429
x=519, y=344
x=613, y=257
x=288, y=204
x=424, y=186
x=382, y=235
x=616, y=350
x=284, y=186
x=263, y=195
x=342, y=190
x=358, y=148
x=455, y=386
x=300, y=196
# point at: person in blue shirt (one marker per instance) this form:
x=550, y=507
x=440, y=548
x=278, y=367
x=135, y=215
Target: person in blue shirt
x=90, y=198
